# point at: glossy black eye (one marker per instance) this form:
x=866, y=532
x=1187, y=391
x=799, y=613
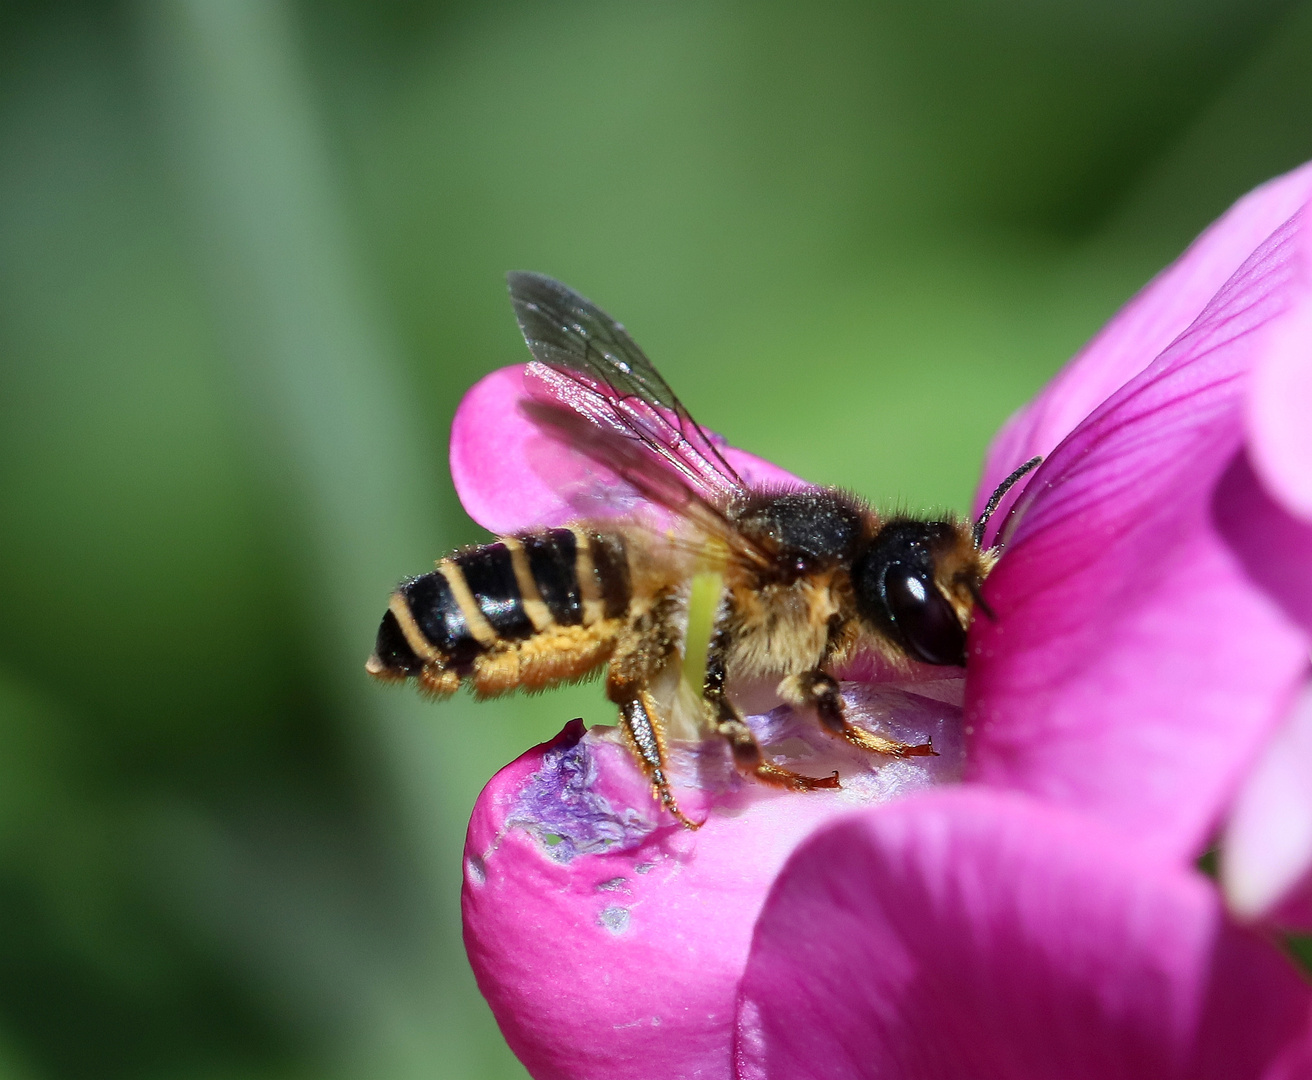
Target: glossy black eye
x=925, y=620
x=893, y=585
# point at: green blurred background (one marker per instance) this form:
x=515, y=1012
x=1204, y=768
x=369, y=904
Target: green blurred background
x=251, y=254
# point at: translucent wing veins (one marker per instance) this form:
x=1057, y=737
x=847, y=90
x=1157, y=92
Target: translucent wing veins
x=573, y=336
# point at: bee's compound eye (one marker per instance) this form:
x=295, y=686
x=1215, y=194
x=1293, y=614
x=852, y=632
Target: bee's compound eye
x=927, y=622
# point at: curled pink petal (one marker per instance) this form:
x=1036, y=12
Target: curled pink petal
x=1280, y=406
x=1267, y=846
x=1144, y=328
x=493, y=450
x=1133, y=670
x=966, y=933
x=608, y=941
x=1274, y=547
x=513, y=474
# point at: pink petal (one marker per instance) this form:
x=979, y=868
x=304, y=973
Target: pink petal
x=512, y=474
x=1280, y=406
x=609, y=942
x=1134, y=670
x=1274, y=547
x=1265, y=850
x=1267, y=846
x=1144, y=328
x=965, y=933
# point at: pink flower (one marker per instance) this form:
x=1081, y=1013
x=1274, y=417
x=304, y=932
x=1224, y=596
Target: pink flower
x=1152, y=632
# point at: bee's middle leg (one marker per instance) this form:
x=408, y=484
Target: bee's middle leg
x=747, y=755
x=819, y=689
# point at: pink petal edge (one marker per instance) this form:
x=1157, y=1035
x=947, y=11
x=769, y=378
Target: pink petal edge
x=1266, y=850
x=1280, y=405
x=967, y=933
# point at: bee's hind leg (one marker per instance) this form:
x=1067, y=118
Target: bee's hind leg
x=638, y=715
x=820, y=689
x=644, y=648
x=729, y=724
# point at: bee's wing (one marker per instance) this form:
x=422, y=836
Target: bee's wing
x=540, y=446
x=596, y=371
x=517, y=465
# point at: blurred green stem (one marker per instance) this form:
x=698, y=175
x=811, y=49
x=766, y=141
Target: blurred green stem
x=323, y=381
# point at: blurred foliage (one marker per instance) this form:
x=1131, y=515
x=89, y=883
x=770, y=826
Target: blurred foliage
x=251, y=254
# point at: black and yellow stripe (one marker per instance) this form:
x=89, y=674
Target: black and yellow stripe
x=492, y=597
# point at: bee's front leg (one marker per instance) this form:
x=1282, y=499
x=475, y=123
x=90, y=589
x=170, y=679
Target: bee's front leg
x=729, y=724
x=819, y=689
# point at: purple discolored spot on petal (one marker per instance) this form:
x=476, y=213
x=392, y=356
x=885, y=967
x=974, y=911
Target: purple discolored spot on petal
x=560, y=806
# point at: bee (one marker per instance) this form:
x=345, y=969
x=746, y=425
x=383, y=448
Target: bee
x=808, y=577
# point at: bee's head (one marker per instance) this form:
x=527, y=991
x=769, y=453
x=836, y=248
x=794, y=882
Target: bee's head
x=914, y=583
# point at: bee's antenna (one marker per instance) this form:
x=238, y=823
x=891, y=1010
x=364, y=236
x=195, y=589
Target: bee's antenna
x=977, y=533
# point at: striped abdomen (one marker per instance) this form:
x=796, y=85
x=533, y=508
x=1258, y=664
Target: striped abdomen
x=524, y=612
